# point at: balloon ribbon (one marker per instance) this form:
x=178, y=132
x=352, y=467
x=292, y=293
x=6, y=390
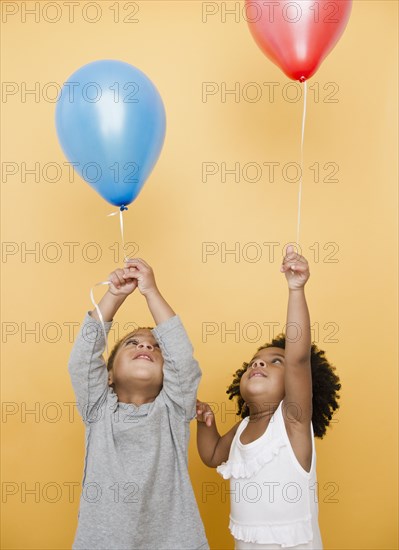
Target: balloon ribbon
x=120, y=211
x=301, y=172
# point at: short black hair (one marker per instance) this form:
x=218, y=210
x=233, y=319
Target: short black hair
x=325, y=386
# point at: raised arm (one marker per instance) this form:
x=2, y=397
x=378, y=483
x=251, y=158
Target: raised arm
x=298, y=377
x=87, y=366
x=121, y=285
x=144, y=275
x=181, y=372
x=212, y=447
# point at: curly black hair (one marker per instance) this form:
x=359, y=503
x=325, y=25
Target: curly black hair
x=325, y=386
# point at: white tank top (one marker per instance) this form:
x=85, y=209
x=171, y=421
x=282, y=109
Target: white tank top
x=273, y=500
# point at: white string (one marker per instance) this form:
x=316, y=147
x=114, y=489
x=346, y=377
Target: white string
x=121, y=210
x=100, y=314
x=121, y=226
x=301, y=174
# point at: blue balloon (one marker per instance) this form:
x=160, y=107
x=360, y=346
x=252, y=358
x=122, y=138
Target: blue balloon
x=110, y=122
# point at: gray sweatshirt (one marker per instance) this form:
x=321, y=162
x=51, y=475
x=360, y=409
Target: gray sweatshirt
x=136, y=490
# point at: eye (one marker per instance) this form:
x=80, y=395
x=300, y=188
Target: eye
x=131, y=341
x=277, y=360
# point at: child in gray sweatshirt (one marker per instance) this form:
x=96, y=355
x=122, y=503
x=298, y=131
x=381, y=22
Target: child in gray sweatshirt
x=137, y=408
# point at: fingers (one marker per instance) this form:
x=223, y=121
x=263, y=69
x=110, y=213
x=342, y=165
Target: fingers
x=141, y=261
x=204, y=413
x=131, y=262
x=296, y=265
x=137, y=268
x=116, y=278
x=201, y=408
x=137, y=263
x=294, y=261
x=292, y=255
x=130, y=272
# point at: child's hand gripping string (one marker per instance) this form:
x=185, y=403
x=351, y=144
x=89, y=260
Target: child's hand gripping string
x=296, y=269
x=297, y=370
x=120, y=283
x=119, y=288
x=143, y=274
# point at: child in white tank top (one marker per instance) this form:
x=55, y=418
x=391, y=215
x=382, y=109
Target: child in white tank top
x=286, y=395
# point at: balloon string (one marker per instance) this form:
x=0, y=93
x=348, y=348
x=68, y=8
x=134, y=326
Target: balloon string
x=121, y=210
x=100, y=314
x=301, y=173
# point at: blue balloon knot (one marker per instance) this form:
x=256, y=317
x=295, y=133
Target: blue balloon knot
x=123, y=207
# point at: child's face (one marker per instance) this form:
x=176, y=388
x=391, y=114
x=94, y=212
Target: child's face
x=138, y=362
x=263, y=381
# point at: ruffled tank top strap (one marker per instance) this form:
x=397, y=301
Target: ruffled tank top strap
x=247, y=460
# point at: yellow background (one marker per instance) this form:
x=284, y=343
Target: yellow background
x=174, y=215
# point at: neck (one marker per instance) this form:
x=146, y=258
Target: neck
x=261, y=410
x=134, y=397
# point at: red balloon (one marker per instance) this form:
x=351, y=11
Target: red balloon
x=297, y=35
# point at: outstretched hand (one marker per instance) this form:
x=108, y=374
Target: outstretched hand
x=296, y=269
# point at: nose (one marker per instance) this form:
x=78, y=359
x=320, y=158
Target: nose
x=259, y=363
x=145, y=345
